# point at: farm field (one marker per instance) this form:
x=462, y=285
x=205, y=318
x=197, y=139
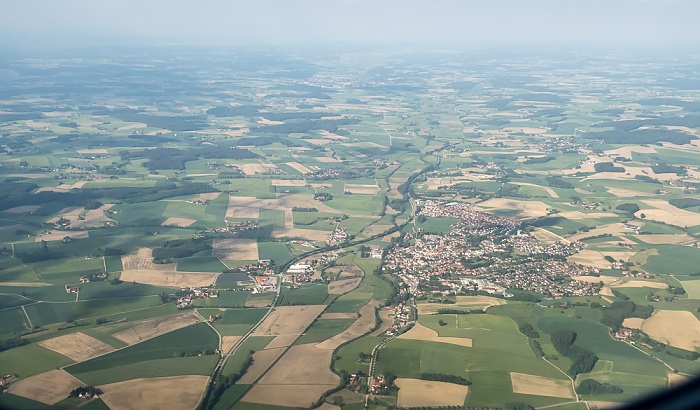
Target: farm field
x=533, y=201
x=183, y=391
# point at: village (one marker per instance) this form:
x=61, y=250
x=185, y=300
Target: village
x=494, y=250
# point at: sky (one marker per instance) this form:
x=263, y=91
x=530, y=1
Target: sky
x=467, y=24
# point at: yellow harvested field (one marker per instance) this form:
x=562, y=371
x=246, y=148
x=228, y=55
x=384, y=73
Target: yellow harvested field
x=359, y=327
x=547, y=237
x=597, y=259
x=207, y=196
x=614, y=229
x=175, y=393
x=604, y=405
x=326, y=159
x=547, y=189
x=59, y=235
x=527, y=209
x=677, y=328
x=144, y=261
x=639, y=284
x=470, y=302
x=93, y=218
x=288, y=182
x=628, y=150
x=541, y=386
x=590, y=257
x=282, y=341
x=675, y=379
x=420, y=332
x=362, y=189
x=285, y=395
x=227, y=342
x=151, y=328
x=299, y=167
x=676, y=239
x=338, y=287
x=132, y=126
x=235, y=249
x=181, y=222
x=27, y=284
x=169, y=278
x=574, y=215
x=665, y=212
x=339, y=315
x=262, y=360
x=633, y=323
x=92, y=151
x=302, y=365
x=318, y=141
x=288, y=320
x=22, y=209
x=424, y=393
x=77, y=346
x=48, y=387
x=626, y=193
x=265, y=121
x=255, y=169
x=310, y=234
x=243, y=207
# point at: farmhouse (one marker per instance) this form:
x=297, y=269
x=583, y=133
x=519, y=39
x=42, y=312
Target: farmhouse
x=72, y=289
x=265, y=283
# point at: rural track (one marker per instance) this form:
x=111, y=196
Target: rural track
x=226, y=356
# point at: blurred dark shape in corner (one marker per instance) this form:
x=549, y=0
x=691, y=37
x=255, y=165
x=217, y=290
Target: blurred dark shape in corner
x=683, y=397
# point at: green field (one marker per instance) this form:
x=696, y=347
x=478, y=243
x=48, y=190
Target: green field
x=203, y=365
x=306, y=294
x=234, y=322
x=188, y=340
x=200, y=264
x=673, y=259
x=275, y=251
x=349, y=302
x=271, y=217
x=251, y=344
x=357, y=204
x=347, y=356
x=31, y=359
x=12, y=320
x=323, y=329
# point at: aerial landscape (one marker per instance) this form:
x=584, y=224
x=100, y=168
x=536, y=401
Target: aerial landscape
x=284, y=228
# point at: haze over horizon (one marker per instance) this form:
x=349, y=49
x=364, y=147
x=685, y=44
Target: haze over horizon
x=462, y=24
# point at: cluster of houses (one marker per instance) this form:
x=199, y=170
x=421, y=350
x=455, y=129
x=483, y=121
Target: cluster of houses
x=7, y=379
x=564, y=144
x=533, y=267
x=339, y=235
x=402, y=313
x=328, y=173
x=302, y=271
x=187, y=295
